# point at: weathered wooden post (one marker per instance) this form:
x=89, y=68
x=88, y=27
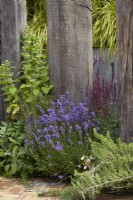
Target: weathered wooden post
x=12, y=24
x=125, y=66
x=69, y=25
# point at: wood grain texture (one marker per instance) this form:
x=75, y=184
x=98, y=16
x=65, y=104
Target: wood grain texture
x=70, y=46
x=125, y=66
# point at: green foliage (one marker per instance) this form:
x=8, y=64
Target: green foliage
x=104, y=24
x=37, y=18
x=9, y=88
x=111, y=171
x=52, y=163
x=109, y=122
x=14, y=158
x=33, y=81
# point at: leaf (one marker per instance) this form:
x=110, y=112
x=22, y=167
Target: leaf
x=1, y=153
x=46, y=89
x=20, y=165
x=12, y=90
x=29, y=100
x=14, y=168
x=36, y=92
x=15, y=150
x=3, y=129
x=12, y=140
x=7, y=167
x=21, y=152
x=23, y=86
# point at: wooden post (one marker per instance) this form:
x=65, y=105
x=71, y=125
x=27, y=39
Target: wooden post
x=13, y=22
x=124, y=15
x=69, y=26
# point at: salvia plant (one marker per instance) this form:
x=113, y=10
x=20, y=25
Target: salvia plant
x=59, y=137
x=104, y=93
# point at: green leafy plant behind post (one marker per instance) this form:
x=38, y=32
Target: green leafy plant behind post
x=33, y=79
x=37, y=18
x=104, y=24
x=34, y=75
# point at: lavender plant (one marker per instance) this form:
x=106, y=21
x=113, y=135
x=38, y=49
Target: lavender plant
x=59, y=137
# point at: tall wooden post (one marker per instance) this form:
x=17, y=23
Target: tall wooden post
x=12, y=24
x=69, y=25
x=125, y=66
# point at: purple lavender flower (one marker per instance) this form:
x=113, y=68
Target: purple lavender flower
x=52, y=129
x=26, y=142
x=47, y=136
x=48, y=156
x=69, y=131
x=62, y=130
x=59, y=103
x=60, y=177
x=92, y=124
x=69, y=140
x=80, y=143
x=40, y=109
x=85, y=125
x=43, y=144
x=58, y=146
x=56, y=135
x=37, y=139
x=66, y=117
x=32, y=142
x=77, y=128
x=92, y=114
x=45, y=130
x=38, y=131
x=52, y=103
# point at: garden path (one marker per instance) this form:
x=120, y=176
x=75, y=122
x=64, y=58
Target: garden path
x=14, y=189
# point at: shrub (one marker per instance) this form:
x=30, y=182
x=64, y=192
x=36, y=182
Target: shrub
x=111, y=170
x=59, y=137
x=14, y=158
x=103, y=101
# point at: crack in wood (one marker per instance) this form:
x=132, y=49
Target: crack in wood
x=84, y=7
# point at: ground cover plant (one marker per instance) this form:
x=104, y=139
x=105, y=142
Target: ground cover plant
x=14, y=158
x=110, y=170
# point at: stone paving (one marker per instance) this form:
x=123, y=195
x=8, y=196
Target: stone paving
x=14, y=189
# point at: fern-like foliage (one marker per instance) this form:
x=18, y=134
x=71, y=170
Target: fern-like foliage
x=111, y=171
